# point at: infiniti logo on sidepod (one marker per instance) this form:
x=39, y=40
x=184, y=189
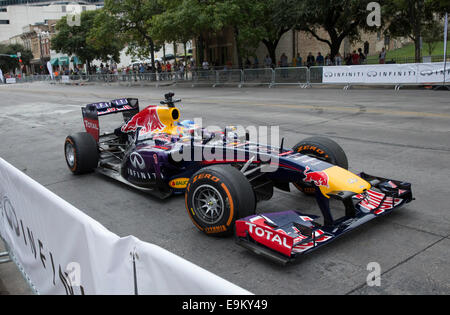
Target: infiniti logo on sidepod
x=137, y=161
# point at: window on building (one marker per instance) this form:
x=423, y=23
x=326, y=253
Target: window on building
x=3, y=10
x=4, y=21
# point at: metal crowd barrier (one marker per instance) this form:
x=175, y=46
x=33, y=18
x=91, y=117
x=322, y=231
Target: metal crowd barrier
x=264, y=76
x=297, y=76
x=229, y=77
x=291, y=76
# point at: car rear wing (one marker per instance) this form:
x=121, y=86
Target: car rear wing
x=129, y=107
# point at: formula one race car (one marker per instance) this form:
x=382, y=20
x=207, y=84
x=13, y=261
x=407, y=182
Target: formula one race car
x=155, y=152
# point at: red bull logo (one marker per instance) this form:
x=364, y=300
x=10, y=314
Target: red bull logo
x=318, y=178
x=147, y=119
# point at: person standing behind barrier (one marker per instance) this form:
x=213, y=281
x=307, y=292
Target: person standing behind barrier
x=284, y=64
x=328, y=61
x=255, y=63
x=382, y=56
x=362, y=57
x=348, y=60
x=169, y=70
x=181, y=71
x=268, y=62
x=355, y=58
x=299, y=60
x=310, y=61
x=319, y=59
x=338, y=59
x=205, y=65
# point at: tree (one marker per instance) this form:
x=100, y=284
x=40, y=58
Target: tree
x=432, y=35
x=408, y=18
x=134, y=20
x=11, y=64
x=104, y=38
x=83, y=42
x=275, y=18
x=251, y=22
x=339, y=18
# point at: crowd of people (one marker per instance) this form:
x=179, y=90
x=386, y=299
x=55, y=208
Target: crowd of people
x=179, y=68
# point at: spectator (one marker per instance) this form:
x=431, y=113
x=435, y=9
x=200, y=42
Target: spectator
x=284, y=61
x=338, y=59
x=169, y=70
x=382, y=56
x=229, y=65
x=310, y=61
x=319, y=59
x=205, y=65
x=299, y=60
x=268, y=62
x=248, y=63
x=355, y=58
x=348, y=60
x=328, y=61
x=256, y=63
x=362, y=57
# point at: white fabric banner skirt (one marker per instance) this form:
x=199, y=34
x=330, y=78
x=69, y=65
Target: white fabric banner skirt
x=63, y=251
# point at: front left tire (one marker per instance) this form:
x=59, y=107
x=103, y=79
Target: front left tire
x=216, y=197
x=81, y=153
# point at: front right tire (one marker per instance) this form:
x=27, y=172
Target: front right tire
x=324, y=149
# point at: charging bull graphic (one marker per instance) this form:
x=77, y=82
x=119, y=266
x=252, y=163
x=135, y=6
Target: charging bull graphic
x=318, y=178
x=148, y=120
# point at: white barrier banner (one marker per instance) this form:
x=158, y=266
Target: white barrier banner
x=11, y=80
x=63, y=251
x=386, y=74
x=65, y=79
x=371, y=74
x=433, y=73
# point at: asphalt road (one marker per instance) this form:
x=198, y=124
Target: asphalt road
x=402, y=135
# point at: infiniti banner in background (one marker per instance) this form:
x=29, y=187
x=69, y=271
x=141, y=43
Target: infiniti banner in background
x=63, y=251
x=432, y=73
x=386, y=74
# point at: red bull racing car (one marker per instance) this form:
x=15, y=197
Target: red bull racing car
x=153, y=151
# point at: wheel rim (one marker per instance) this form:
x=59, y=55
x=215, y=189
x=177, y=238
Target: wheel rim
x=70, y=154
x=208, y=204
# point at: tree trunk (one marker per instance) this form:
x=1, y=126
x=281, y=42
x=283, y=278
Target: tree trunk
x=152, y=52
x=272, y=48
x=238, y=48
x=334, y=48
x=200, y=52
x=417, y=50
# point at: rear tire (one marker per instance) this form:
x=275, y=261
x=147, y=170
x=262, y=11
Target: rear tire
x=324, y=149
x=216, y=197
x=81, y=153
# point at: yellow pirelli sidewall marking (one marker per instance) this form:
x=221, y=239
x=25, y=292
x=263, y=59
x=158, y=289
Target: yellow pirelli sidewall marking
x=230, y=219
x=189, y=213
x=343, y=180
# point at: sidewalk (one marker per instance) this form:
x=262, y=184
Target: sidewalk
x=11, y=280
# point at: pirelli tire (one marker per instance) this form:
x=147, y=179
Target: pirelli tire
x=216, y=197
x=81, y=152
x=324, y=149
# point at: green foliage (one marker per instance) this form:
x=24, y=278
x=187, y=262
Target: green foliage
x=90, y=40
x=134, y=21
x=413, y=19
x=340, y=18
x=10, y=64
